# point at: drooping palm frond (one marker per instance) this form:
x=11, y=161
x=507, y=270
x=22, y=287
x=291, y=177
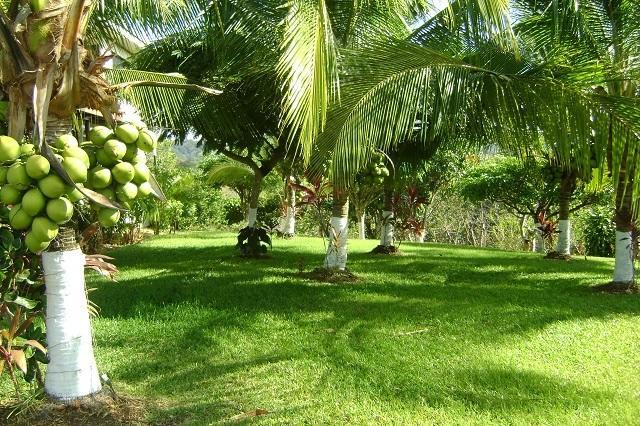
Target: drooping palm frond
x=308, y=68
x=499, y=99
x=164, y=100
x=229, y=173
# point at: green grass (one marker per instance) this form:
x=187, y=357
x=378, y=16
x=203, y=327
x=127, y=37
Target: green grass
x=443, y=335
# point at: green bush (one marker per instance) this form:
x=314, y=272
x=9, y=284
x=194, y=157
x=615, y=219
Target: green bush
x=596, y=231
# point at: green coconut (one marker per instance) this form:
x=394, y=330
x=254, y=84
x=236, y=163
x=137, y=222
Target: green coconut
x=79, y=153
x=38, y=5
x=33, y=201
x=74, y=194
x=60, y=210
x=52, y=186
x=108, y=217
x=147, y=140
x=37, y=166
x=66, y=141
x=9, y=149
x=126, y=192
x=19, y=219
x=115, y=149
x=105, y=159
x=144, y=189
x=142, y=173
x=44, y=228
x=34, y=244
x=3, y=175
x=18, y=177
x=140, y=158
x=39, y=37
x=76, y=169
x=99, y=177
x=27, y=149
x=123, y=172
x=10, y=195
x=100, y=134
x=127, y=133
x=132, y=152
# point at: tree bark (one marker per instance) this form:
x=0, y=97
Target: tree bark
x=387, y=235
x=72, y=372
x=362, y=231
x=624, y=269
x=288, y=221
x=567, y=187
x=252, y=210
x=539, y=245
x=338, y=232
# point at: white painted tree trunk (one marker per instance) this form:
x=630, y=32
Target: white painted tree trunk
x=288, y=222
x=538, y=242
x=252, y=214
x=72, y=372
x=564, y=237
x=337, y=252
x=624, y=271
x=362, y=234
x=387, y=237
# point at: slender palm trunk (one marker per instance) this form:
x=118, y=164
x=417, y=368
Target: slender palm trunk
x=567, y=186
x=72, y=372
x=539, y=245
x=252, y=211
x=624, y=268
x=362, y=229
x=338, y=232
x=288, y=221
x=387, y=234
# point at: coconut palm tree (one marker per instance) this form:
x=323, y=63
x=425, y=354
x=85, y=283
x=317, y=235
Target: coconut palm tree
x=47, y=74
x=299, y=45
x=464, y=82
x=604, y=35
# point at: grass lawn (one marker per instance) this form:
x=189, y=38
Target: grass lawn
x=442, y=335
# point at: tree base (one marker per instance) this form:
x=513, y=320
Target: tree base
x=284, y=236
x=103, y=408
x=389, y=250
x=617, y=288
x=554, y=255
x=331, y=275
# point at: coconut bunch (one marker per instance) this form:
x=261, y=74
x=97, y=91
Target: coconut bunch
x=118, y=166
x=375, y=172
x=112, y=164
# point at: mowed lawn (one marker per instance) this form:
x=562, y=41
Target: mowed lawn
x=442, y=335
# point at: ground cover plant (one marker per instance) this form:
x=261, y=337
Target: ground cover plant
x=445, y=335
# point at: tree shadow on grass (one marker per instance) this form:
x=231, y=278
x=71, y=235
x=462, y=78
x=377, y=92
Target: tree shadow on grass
x=474, y=299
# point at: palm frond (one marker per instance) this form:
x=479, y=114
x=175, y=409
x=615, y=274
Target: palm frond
x=505, y=102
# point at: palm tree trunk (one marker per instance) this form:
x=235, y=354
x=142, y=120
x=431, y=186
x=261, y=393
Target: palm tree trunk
x=538, y=239
x=72, y=372
x=567, y=186
x=624, y=268
x=252, y=211
x=362, y=229
x=338, y=232
x=387, y=235
x=288, y=221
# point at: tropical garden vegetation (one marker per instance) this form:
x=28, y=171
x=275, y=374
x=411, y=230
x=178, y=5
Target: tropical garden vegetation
x=506, y=125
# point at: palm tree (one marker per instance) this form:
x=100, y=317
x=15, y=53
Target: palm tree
x=464, y=82
x=604, y=41
x=299, y=45
x=47, y=74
